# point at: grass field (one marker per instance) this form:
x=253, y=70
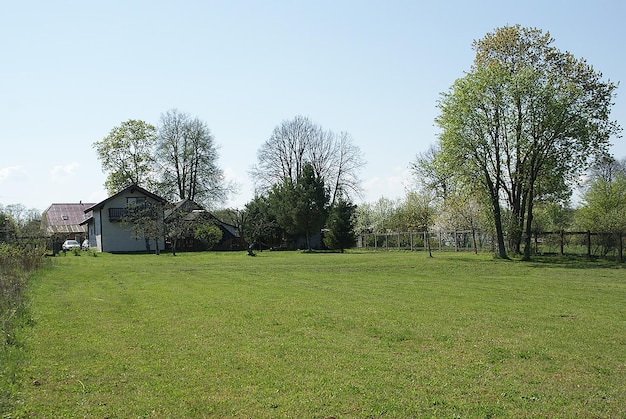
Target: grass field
x=355, y=335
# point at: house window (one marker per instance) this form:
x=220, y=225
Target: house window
x=65, y=217
x=135, y=200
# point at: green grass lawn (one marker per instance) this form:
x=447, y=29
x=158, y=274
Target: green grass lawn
x=355, y=335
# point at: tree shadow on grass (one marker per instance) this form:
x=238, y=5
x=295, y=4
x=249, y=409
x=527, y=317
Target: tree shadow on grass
x=575, y=262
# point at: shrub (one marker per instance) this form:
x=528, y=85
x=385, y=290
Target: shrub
x=15, y=264
x=208, y=234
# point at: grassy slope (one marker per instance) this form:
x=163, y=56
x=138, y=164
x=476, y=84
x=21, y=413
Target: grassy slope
x=324, y=335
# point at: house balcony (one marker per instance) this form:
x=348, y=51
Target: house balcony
x=116, y=214
x=136, y=211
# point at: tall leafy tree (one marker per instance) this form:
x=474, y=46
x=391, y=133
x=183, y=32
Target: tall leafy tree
x=418, y=212
x=460, y=204
x=523, y=123
x=386, y=215
x=604, y=208
x=552, y=216
x=127, y=155
x=364, y=218
x=431, y=172
x=188, y=160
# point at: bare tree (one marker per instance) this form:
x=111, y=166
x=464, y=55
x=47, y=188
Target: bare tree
x=606, y=167
x=299, y=141
x=343, y=173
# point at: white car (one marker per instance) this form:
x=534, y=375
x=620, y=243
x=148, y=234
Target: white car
x=69, y=244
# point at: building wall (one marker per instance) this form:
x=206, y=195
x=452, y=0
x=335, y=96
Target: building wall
x=95, y=231
x=114, y=236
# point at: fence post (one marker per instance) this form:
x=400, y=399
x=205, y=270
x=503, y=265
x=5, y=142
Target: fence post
x=562, y=242
x=588, y=243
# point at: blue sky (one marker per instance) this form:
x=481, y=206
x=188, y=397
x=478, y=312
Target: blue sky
x=72, y=70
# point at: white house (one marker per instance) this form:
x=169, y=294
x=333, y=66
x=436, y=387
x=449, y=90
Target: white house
x=105, y=230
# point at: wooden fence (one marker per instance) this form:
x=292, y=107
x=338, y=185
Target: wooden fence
x=548, y=242
x=437, y=240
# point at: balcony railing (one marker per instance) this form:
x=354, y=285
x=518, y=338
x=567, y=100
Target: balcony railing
x=141, y=211
x=116, y=214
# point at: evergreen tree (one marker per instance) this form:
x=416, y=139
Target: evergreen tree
x=341, y=234
x=300, y=208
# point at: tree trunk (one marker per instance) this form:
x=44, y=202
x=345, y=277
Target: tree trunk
x=516, y=226
x=529, y=219
x=174, y=241
x=528, y=238
x=474, y=240
x=497, y=216
x=494, y=196
x=536, y=243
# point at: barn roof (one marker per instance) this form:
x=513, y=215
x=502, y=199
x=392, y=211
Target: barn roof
x=65, y=218
x=193, y=211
